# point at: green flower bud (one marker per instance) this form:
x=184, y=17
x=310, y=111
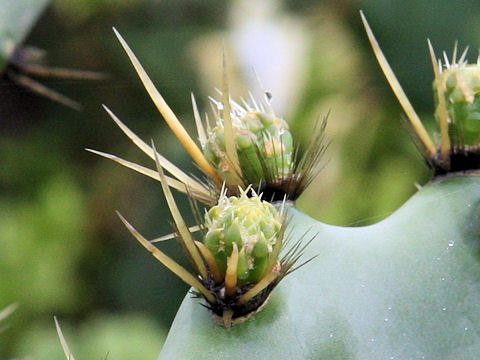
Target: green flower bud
x=249, y=222
x=266, y=119
x=263, y=143
x=211, y=240
x=460, y=86
x=244, y=142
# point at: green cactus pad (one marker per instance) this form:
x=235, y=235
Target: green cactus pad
x=405, y=288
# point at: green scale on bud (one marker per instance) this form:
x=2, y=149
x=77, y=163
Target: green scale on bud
x=263, y=143
x=460, y=85
x=253, y=225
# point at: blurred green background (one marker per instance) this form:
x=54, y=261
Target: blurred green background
x=64, y=252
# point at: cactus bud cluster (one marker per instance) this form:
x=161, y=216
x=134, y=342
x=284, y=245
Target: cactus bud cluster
x=459, y=84
x=245, y=145
x=263, y=143
x=250, y=223
x=457, y=91
x=456, y=88
x=263, y=153
x=243, y=238
x=239, y=260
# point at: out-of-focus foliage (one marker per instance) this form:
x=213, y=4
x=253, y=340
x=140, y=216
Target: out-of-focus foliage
x=63, y=251
x=119, y=337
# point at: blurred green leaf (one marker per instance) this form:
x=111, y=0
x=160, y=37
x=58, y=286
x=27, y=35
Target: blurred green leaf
x=118, y=337
x=45, y=236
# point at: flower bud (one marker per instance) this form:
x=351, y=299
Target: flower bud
x=263, y=143
x=249, y=222
x=460, y=86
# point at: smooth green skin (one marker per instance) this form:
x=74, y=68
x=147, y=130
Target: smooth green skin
x=16, y=19
x=405, y=288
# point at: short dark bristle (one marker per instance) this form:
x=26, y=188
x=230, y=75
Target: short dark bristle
x=239, y=310
x=304, y=168
x=288, y=263
x=287, y=188
x=461, y=159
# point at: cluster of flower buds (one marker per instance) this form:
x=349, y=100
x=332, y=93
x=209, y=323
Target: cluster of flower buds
x=239, y=260
x=457, y=98
x=459, y=86
x=457, y=91
x=241, y=256
x=263, y=143
x=247, y=227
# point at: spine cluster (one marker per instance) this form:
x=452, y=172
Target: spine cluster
x=241, y=255
x=263, y=143
x=456, y=87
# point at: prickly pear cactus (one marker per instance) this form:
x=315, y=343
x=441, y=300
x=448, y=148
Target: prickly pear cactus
x=405, y=288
